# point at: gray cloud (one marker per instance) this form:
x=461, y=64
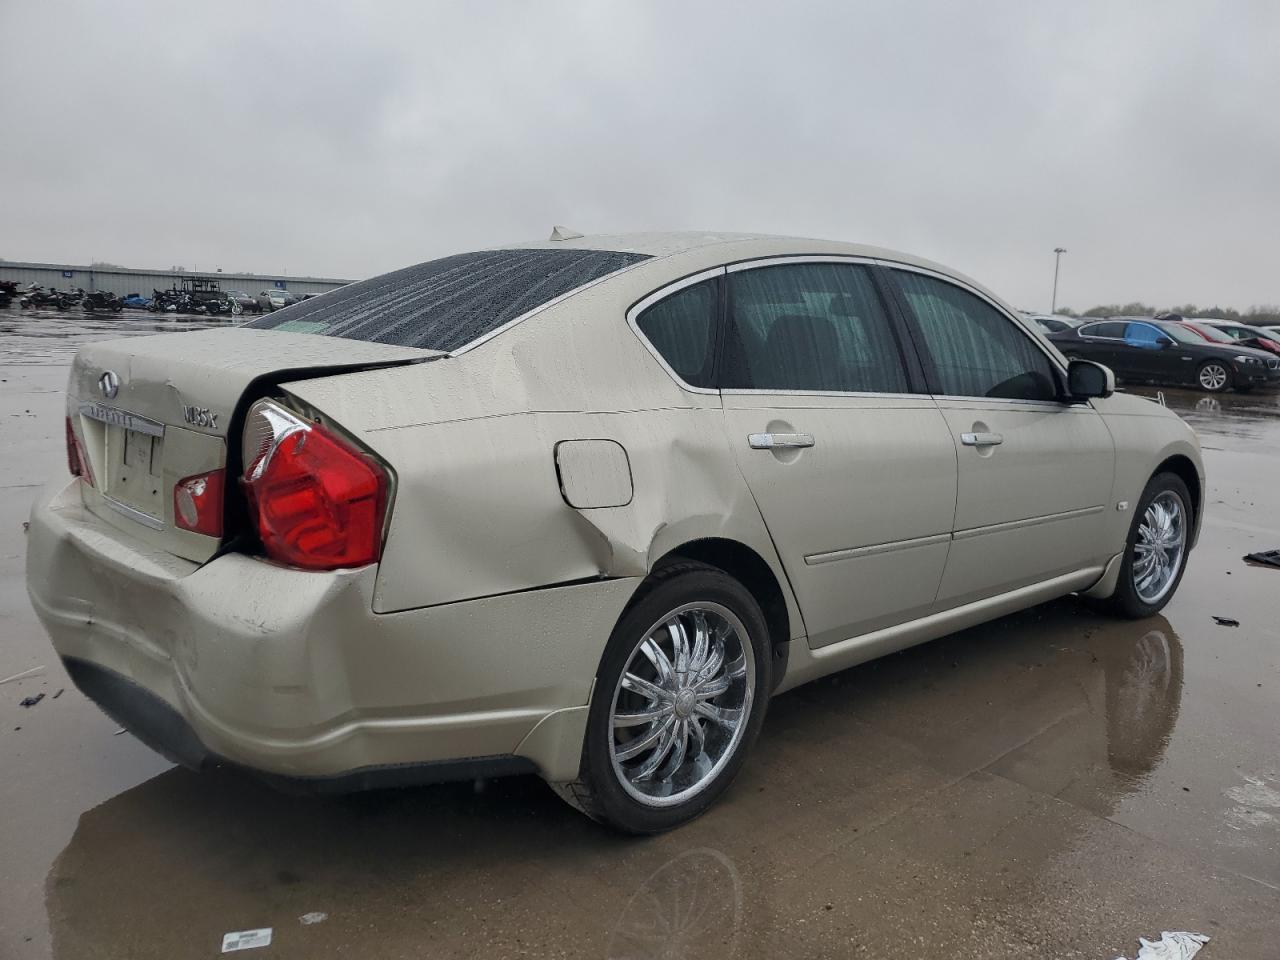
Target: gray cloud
x=288, y=136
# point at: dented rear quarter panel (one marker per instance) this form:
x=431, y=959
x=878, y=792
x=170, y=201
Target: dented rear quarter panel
x=478, y=508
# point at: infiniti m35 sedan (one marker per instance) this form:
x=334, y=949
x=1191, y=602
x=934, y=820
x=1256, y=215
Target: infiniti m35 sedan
x=580, y=508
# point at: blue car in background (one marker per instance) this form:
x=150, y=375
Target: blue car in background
x=136, y=301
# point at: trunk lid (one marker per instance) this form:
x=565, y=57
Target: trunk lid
x=151, y=411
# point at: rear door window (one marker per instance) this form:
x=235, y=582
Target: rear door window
x=1108, y=329
x=682, y=330
x=810, y=327
x=448, y=303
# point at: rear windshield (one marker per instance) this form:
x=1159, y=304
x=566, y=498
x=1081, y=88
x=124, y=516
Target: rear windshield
x=445, y=304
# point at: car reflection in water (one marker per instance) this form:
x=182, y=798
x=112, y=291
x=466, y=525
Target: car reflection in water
x=690, y=907
x=168, y=867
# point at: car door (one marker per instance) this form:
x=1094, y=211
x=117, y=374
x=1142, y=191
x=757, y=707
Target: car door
x=1034, y=472
x=1102, y=342
x=849, y=460
x=1157, y=356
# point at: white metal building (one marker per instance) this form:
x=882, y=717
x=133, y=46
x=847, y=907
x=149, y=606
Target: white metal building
x=122, y=281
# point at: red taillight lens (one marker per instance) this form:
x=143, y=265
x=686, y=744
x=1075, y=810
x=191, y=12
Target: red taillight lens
x=77, y=462
x=319, y=504
x=197, y=503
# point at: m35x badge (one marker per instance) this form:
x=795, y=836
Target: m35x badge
x=200, y=416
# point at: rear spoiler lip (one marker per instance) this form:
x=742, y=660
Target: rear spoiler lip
x=235, y=539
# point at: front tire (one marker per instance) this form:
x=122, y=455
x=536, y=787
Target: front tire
x=1155, y=555
x=1213, y=376
x=679, y=699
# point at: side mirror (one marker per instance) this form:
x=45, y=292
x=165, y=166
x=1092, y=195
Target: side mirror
x=1087, y=379
x=1164, y=343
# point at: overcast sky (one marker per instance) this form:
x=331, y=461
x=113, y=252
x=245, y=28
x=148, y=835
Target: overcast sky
x=1144, y=138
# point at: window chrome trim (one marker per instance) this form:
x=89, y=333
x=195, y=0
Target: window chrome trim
x=644, y=303
x=783, y=260
x=1037, y=339
x=554, y=301
x=850, y=394
x=1097, y=336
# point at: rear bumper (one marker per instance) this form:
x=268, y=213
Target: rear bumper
x=291, y=673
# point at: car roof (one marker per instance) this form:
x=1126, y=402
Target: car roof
x=736, y=246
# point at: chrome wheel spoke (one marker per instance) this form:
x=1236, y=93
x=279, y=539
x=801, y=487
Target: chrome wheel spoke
x=724, y=716
x=640, y=744
x=642, y=717
x=712, y=688
x=643, y=687
x=658, y=657
x=680, y=643
x=701, y=642
x=654, y=760
x=678, y=749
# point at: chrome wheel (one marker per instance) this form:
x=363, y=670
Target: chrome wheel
x=1213, y=376
x=1159, y=549
x=682, y=704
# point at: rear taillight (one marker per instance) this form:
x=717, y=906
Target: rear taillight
x=319, y=503
x=77, y=462
x=197, y=503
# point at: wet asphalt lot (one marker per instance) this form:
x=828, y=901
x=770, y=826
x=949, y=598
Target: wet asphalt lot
x=1053, y=784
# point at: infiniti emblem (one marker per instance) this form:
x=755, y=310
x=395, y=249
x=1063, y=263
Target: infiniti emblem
x=109, y=384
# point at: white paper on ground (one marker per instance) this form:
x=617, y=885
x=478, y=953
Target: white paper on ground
x=1171, y=946
x=246, y=940
x=315, y=917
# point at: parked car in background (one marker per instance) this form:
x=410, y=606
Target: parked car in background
x=136, y=301
x=1244, y=334
x=1164, y=351
x=581, y=508
x=271, y=300
x=1271, y=329
x=247, y=303
x=1054, y=323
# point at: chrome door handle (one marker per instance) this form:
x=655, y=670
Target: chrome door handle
x=779, y=441
x=981, y=439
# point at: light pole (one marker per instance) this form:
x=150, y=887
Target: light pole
x=1057, y=259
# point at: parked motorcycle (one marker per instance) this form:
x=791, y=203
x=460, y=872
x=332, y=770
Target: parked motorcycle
x=38, y=296
x=101, y=300
x=8, y=290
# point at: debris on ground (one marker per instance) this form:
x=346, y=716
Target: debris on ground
x=1226, y=622
x=315, y=917
x=31, y=701
x=118, y=732
x=1171, y=946
x=246, y=939
x=1268, y=558
x=58, y=694
x=23, y=674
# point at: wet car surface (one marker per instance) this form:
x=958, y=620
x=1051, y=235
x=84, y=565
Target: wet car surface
x=1055, y=783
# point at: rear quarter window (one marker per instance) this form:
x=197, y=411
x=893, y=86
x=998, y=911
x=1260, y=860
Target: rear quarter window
x=447, y=303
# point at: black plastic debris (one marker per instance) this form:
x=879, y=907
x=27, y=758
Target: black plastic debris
x=31, y=701
x=1268, y=558
x=58, y=694
x=1226, y=622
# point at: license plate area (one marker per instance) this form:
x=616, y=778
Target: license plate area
x=133, y=457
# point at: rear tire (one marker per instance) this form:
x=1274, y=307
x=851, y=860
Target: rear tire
x=696, y=740
x=1146, y=583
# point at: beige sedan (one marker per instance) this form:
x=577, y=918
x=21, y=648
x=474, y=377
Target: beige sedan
x=580, y=508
